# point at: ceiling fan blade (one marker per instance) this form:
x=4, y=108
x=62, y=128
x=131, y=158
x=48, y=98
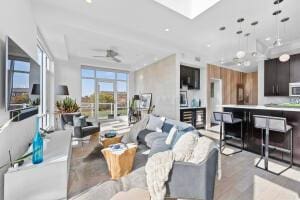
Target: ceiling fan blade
x=116, y=59
x=99, y=50
x=99, y=56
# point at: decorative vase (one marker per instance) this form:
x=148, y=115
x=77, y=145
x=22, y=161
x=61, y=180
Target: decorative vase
x=37, y=145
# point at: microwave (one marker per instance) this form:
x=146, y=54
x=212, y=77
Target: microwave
x=294, y=90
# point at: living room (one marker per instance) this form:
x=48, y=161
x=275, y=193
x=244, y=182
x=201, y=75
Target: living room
x=106, y=100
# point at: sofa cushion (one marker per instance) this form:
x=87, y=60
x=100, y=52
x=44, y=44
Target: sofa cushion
x=167, y=127
x=142, y=135
x=155, y=123
x=133, y=194
x=158, y=145
x=180, y=125
x=151, y=137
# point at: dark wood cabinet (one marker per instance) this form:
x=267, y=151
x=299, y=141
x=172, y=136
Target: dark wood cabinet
x=253, y=136
x=190, y=77
x=270, y=77
x=194, y=116
x=277, y=78
x=283, y=78
x=295, y=68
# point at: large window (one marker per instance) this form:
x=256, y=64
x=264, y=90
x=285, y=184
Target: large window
x=104, y=93
x=44, y=98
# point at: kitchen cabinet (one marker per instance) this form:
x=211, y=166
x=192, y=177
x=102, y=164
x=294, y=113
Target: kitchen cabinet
x=190, y=77
x=270, y=77
x=295, y=68
x=253, y=136
x=277, y=78
x=283, y=78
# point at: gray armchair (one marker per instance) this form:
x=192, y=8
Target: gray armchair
x=188, y=180
x=194, y=181
x=79, y=131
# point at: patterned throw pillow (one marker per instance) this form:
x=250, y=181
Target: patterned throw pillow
x=79, y=121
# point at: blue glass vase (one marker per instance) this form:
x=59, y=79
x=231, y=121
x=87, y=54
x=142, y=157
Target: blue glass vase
x=37, y=145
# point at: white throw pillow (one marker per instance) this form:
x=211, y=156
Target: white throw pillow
x=155, y=123
x=171, y=135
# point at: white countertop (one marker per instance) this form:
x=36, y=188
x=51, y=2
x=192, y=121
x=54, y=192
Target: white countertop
x=260, y=107
x=185, y=108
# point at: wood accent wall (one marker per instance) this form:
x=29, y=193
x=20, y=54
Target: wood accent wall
x=250, y=81
x=230, y=80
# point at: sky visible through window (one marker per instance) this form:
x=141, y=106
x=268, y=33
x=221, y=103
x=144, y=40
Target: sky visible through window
x=21, y=78
x=88, y=81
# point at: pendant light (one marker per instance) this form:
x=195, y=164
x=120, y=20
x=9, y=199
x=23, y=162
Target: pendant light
x=222, y=61
x=240, y=54
x=277, y=42
x=247, y=63
x=284, y=57
x=253, y=24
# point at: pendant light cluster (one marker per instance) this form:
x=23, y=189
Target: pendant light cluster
x=278, y=42
x=240, y=54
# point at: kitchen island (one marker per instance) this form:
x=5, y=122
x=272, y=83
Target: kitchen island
x=252, y=136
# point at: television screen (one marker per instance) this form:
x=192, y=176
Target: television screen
x=22, y=78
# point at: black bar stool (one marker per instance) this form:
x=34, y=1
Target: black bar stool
x=227, y=118
x=277, y=124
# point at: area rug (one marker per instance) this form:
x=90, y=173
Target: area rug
x=88, y=167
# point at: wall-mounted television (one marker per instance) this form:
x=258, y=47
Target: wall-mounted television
x=22, y=78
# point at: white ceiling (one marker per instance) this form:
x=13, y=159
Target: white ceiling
x=136, y=29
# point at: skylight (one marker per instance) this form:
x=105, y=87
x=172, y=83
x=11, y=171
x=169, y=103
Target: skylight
x=188, y=8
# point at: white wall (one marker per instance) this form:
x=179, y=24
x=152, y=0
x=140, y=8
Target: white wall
x=262, y=100
x=16, y=21
x=162, y=80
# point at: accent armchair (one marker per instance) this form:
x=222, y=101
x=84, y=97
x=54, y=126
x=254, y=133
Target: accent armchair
x=198, y=181
x=79, y=131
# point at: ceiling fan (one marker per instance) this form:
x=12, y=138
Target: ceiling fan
x=109, y=53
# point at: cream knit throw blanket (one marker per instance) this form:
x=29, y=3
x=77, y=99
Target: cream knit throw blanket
x=189, y=148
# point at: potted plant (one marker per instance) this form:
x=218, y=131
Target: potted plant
x=68, y=105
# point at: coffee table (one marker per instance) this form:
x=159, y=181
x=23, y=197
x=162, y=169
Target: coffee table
x=120, y=163
x=106, y=142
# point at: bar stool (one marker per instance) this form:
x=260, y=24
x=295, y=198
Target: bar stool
x=277, y=124
x=227, y=118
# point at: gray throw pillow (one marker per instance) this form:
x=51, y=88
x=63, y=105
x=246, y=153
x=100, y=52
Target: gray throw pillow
x=155, y=123
x=79, y=121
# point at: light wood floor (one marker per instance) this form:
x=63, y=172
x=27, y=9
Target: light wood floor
x=241, y=180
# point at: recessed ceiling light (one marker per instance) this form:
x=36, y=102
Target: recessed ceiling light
x=268, y=39
x=89, y=1
x=208, y=45
x=167, y=30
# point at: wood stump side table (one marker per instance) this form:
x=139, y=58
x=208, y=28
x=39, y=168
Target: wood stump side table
x=109, y=141
x=119, y=163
